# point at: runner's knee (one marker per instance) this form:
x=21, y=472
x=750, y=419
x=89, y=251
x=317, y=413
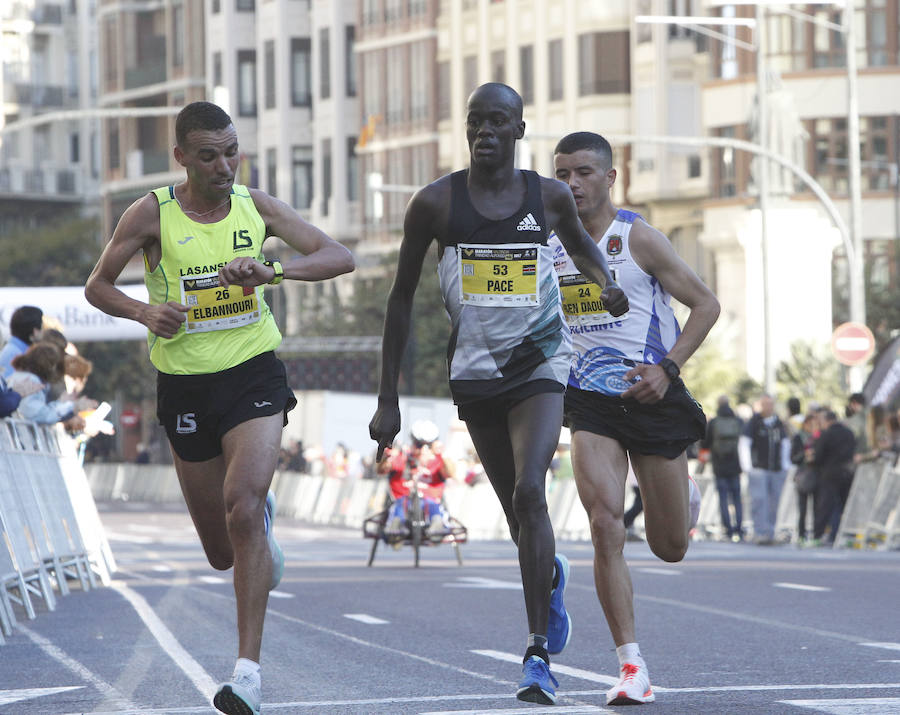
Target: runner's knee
x=529, y=498
x=607, y=531
x=245, y=511
x=668, y=547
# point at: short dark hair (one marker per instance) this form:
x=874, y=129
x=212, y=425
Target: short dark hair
x=515, y=99
x=52, y=335
x=204, y=116
x=578, y=141
x=24, y=321
x=793, y=405
x=859, y=398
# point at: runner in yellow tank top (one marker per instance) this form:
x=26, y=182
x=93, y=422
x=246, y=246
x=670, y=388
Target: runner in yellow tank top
x=222, y=394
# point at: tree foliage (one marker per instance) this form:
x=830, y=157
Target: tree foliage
x=61, y=254
x=812, y=374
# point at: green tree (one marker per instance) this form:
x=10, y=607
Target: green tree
x=882, y=296
x=62, y=253
x=812, y=374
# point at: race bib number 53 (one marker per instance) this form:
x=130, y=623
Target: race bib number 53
x=212, y=307
x=502, y=275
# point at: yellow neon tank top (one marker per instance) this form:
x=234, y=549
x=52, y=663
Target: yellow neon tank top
x=224, y=326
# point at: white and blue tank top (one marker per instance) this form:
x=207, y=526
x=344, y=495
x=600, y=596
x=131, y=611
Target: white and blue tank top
x=502, y=297
x=607, y=347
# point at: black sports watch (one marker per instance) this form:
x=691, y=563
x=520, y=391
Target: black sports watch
x=670, y=367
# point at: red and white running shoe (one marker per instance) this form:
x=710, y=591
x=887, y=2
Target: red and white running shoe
x=695, y=498
x=633, y=687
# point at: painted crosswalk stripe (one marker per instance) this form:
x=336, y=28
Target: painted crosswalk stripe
x=480, y=582
x=571, y=709
x=366, y=618
x=886, y=646
x=16, y=696
x=850, y=706
x=557, y=669
x=800, y=586
x=660, y=572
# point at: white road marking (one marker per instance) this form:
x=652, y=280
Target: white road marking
x=162, y=568
x=660, y=572
x=280, y=594
x=558, y=669
x=366, y=618
x=886, y=646
x=800, y=586
x=888, y=661
x=17, y=696
x=524, y=711
x=118, y=536
x=59, y=655
x=479, y=582
x=851, y=706
x=167, y=641
x=211, y=579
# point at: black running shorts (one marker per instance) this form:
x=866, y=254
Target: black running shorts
x=665, y=428
x=497, y=407
x=197, y=410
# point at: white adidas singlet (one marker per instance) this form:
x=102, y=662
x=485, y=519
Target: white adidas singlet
x=607, y=347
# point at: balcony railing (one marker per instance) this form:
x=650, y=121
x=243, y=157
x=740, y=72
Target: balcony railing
x=51, y=182
x=47, y=14
x=39, y=96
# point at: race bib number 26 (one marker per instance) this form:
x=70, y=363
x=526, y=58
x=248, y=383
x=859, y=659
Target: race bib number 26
x=502, y=275
x=213, y=307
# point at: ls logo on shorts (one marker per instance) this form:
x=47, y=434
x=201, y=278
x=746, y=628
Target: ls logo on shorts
x=186, y=423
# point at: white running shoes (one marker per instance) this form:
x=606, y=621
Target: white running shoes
x=633, y=687
x=239, y=696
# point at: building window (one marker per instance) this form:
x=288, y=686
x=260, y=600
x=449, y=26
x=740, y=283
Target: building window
x=603, y=63
x=301, y=177
x=301, y=92
x=694, y=166
x=326, y=175
x=350, y=59
x=417, y=7
x=644, y=30
x=498, y=66
x=725, y=177
x=177, y=35
x=324, y=63
x=216, y=7
x=246, y=61
x=245, y=5
x=392, y=10
x=74, y=148
x=555, y=58
x=470, y=75
x=352, y=170
x=269, y=53
x=526, y=70
x=443, y=90
x=828, y=44
x=419, y=80
x=371, y=12
x=272, y=171
x=113, y=134
x=217, y=69
x=397, y=66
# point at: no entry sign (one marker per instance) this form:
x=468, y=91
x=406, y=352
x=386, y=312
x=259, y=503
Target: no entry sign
x=852, y=343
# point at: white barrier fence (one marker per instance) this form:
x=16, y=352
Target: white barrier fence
x=872, y=516
x=50, y=531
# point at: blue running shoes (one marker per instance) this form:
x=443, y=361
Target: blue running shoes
x=274, y=548
x=537, y=685
x=559, y=623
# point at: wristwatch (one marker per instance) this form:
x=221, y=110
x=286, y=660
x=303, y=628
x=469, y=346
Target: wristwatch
x=279, y=272
x=670, y=367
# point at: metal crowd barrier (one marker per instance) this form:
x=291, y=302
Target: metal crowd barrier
x=50, y=531
x=870, y=515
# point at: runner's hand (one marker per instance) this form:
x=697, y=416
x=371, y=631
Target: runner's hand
x=165, y=319
x=614, y=300
x=651, y=386
x=384, y=427
x=246, y=272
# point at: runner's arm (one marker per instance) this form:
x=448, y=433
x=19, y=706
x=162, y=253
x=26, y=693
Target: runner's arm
x=321, y=256
x=417, y=236
x=581, y=247
x=654, y=253
x=137, y=230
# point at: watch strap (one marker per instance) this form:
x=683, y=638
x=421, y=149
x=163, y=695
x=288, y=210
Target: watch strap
x=279, y=271
x=670, y=367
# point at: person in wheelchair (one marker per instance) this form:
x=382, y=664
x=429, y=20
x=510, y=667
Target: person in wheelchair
x=425, y=461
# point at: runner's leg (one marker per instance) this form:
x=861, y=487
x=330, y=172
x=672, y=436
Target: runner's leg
x=251, y=454
x=665, y=487
x=601, y=467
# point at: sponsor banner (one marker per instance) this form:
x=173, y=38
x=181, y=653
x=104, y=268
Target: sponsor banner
x=79, y=319
x=883, y=383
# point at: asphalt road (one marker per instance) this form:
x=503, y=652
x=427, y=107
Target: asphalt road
x=734, y=628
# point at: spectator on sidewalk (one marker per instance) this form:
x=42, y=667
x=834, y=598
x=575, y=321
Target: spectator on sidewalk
x=25, y=327
x=40, y=365
x=833, y=456
x=721, y=441
x=806, y=473
x=765, y=454
x=858, y=420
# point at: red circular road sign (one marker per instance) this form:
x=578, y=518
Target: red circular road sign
x=852, y=343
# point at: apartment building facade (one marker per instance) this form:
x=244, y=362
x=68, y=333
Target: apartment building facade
x=49, y=161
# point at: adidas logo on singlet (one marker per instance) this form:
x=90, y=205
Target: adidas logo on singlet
x=528, y=224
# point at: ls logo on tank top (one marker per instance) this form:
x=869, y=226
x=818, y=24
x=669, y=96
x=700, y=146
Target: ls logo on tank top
x=212, y=307
x=502, y=275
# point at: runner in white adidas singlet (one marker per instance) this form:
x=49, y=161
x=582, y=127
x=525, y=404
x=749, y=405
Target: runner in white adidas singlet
x=625, y=400
x=508, y=348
